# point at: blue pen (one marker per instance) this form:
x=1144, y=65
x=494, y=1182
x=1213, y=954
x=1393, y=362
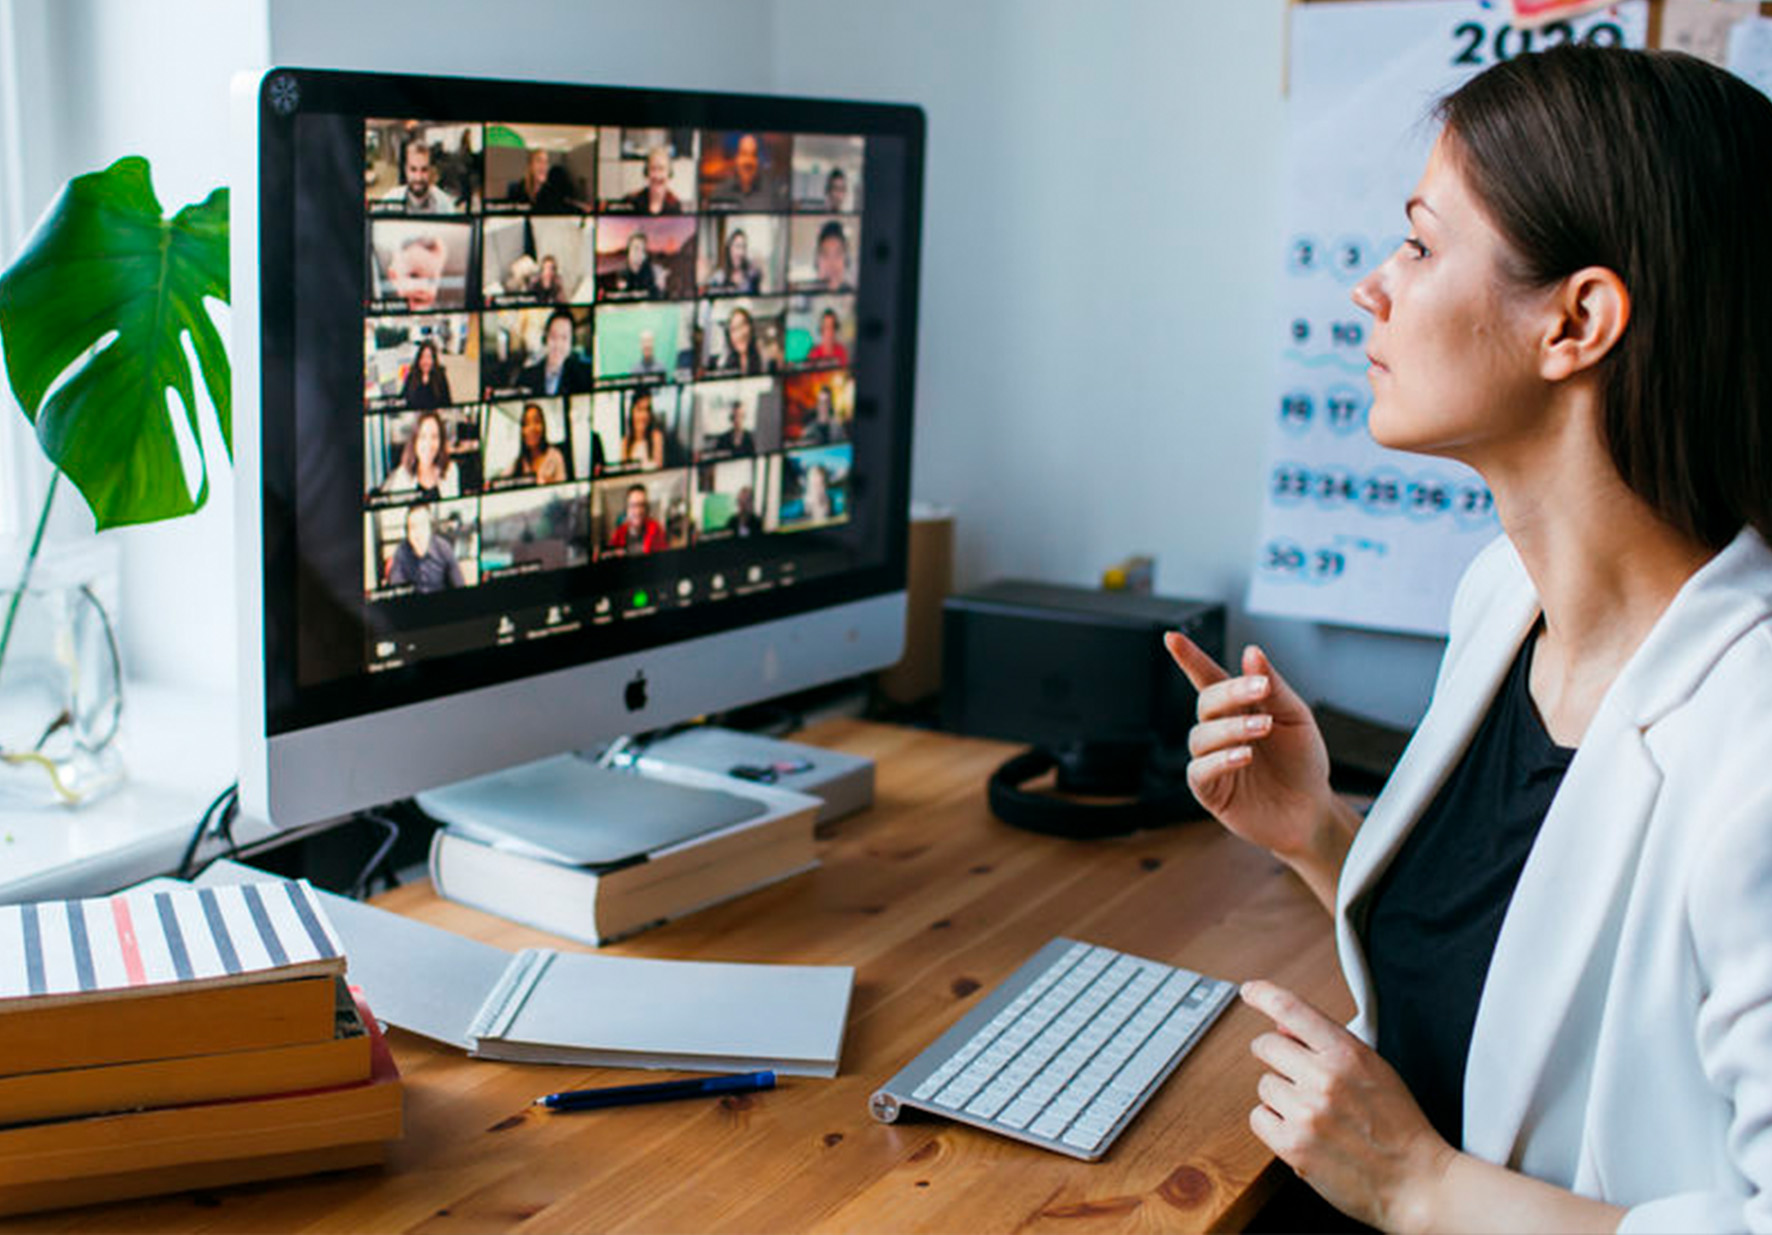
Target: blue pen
x=661, y=1091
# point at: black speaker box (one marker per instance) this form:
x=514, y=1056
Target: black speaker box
x=1083, y=676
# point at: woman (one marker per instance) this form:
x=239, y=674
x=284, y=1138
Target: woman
x=427, y=386
x=425, y=464
x=548, y=287
x=655, y=196
x=643, y=446
x=1557, y=919
x=737, y=273
x=639, y=277
x=537, y=462
x=823, y=428
x=742, y=354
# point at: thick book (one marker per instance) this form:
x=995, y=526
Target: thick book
x=598, y=904
x=162, y=973
x=66, y=1092
x=231, y=1130
x=126, y=1185
x=151, y=940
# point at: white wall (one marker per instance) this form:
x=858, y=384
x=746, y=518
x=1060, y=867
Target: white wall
x=1100, y=251
x=711, y=44
x=148, y=77
x=1101, y=255
x=25, y=75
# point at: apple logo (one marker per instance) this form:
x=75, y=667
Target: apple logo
x=635, y=694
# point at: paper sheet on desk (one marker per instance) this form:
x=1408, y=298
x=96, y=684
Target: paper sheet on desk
x=591, y=1009
x=424, y=979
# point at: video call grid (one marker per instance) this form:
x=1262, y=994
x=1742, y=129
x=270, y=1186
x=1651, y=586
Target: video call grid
x=552, y=303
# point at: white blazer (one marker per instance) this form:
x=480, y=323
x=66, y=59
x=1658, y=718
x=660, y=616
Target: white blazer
x=1623, y=1040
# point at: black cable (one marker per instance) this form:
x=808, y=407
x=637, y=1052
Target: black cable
x=224, y=828
x=225, y=807
x=360, y=888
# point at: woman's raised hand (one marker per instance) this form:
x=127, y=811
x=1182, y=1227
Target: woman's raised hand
x=1259, y=764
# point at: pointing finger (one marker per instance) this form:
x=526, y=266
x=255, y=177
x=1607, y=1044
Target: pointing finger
x=1200, y=668
x=1294, y=1014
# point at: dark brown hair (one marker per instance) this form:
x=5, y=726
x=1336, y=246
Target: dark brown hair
x=409, y=454
x=1658, y=167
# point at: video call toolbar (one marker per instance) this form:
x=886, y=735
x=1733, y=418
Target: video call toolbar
x=588, y=343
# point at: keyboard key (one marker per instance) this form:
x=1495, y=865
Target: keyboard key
x=1083, y=1138
x=934, y=1085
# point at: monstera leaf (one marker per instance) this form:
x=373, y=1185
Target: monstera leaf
x=94, y=315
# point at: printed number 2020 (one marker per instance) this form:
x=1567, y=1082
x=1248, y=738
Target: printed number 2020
x=1506, y=42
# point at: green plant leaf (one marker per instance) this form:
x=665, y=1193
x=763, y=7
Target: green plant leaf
x=105, y=260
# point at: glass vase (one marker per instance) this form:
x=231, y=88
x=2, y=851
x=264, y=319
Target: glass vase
x=61, y=678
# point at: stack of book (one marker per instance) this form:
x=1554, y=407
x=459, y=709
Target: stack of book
x=596, y=855
x=176, y=1037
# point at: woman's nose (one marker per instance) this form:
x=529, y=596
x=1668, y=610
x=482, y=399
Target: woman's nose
x=1370, y=295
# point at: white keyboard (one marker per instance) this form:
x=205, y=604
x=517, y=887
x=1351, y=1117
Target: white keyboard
x=1065, y=1052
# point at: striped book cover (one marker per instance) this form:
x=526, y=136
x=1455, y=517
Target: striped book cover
x=147, y=941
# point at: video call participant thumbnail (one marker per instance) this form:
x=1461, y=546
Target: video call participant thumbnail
x=745, y=170
x=651, y=437
x=820, y=331
x=421, y=362
x=741, y=255
x=644, y=516
x=646, y=259
x=818, y=408
x=743, y=338
x=526, y=443
x=821, y=252
x=729, y=499
x=421, y=455
x=529, y=531
x=646, y=171
x=421, y=265
x=424, y=548
x=419, y=168
x=527, y=351
x=815, y=487
x=545, y=261
x=827, y=173
x=737, y=418
x=640, y=343
x=540, y=168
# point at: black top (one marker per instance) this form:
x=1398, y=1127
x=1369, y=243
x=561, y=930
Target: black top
x=1432, y=920
x=1434, y=917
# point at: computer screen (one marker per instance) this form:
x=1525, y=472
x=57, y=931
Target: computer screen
x=564, y=411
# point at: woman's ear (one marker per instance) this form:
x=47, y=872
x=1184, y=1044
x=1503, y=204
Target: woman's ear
x=1592, y=308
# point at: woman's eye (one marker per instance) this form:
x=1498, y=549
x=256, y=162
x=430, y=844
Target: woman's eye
x=1415, y=246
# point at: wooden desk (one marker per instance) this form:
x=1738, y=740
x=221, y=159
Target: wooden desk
x=932, y=901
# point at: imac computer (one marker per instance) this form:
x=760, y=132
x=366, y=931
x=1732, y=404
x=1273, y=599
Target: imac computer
x=563, y=412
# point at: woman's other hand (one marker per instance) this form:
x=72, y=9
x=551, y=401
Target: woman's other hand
x=1260, y=767
x=1337, y=1114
